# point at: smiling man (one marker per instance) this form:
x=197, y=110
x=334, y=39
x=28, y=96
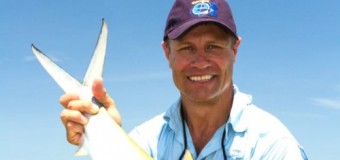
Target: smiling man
x=201, y=61
x=212, y=119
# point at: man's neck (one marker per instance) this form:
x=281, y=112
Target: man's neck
x=204, y=119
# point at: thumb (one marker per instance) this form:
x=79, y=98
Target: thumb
x=104, y=98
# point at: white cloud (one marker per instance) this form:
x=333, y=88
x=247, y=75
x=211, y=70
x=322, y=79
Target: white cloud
x=327, y=103
x=303, y=115
x=29, y=58
x=33, y=58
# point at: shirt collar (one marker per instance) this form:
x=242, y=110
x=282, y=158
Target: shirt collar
x=173, y=117
x=237, y=119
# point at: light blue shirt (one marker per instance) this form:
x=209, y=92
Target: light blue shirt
x=251, y=133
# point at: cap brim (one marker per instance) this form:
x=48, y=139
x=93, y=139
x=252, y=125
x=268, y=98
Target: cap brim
x=176, y=33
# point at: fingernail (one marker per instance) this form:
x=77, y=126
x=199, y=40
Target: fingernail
x=84, y=119
x=94, y=108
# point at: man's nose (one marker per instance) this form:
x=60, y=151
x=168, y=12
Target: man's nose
x=201, y=60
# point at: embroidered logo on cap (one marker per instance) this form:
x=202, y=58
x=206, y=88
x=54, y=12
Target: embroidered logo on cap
x=202, y=8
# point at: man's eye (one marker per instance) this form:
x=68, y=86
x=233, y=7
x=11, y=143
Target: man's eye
x=212, y=47
x=186, y=49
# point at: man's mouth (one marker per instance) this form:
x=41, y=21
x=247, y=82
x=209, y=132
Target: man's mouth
x=202, y=78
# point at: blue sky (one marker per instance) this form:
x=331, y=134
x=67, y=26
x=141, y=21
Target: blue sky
x=288, y=62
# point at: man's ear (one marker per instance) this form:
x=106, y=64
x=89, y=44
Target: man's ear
x=236, y=46
x=166, y=50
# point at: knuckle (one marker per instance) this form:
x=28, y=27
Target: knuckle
x=63, y=116
x=62, y=100
x=71, y=105
x=70, y=126
x=67, y=98
x=71, y=140
x=70, y=116
x=79, y=105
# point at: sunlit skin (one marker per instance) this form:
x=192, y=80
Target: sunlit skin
x=202, y=62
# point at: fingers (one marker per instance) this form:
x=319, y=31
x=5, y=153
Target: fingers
x=67, y=98
x=100, y=93
x=74, y=133
x=74, y=123
x=103, y=97
x=73, y=102
x=73, y=118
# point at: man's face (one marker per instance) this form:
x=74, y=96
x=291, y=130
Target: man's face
x=202, y=62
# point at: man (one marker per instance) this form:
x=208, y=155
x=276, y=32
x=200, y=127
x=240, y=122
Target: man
x=211, y=119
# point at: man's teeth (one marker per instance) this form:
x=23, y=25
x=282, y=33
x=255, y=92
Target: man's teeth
x=200, y=78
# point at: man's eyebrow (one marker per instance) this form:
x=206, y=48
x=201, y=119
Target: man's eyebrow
x=183, y=41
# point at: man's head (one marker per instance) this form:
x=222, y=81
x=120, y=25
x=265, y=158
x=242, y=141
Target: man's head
x=187, y=13
x=201, y=49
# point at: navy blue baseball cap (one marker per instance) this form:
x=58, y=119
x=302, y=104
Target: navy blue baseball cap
x=187, y=13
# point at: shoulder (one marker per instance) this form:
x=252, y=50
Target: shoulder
x=146, y=135
x=274, y=140
x=150, y=128
x=154, y=123
x=245, y=116
x=264, y=123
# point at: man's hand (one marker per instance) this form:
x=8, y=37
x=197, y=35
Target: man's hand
x=72, y=116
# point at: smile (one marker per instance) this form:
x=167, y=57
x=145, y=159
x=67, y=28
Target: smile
x=200, y=78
